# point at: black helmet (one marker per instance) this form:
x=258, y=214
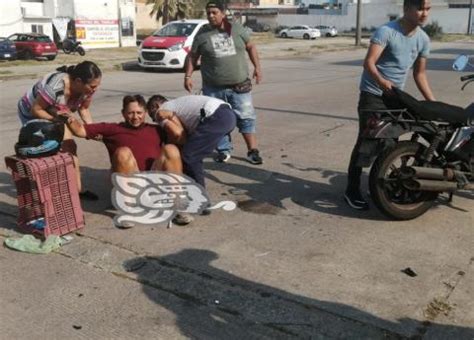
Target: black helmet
x=39, y=138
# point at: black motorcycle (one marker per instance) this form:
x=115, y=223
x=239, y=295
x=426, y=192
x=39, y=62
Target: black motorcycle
x=72, y=46
x=430, y=150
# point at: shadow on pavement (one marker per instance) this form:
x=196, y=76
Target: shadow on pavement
x=215, y=304
x=273, y=188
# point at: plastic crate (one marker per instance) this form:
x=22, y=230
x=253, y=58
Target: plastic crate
x=46, y=188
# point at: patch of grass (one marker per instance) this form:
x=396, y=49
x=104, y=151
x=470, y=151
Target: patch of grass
x=5, y=72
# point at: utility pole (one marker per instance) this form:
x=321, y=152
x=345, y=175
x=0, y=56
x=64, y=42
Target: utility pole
x=358, y=28
x=119, y=20
x=469, y=23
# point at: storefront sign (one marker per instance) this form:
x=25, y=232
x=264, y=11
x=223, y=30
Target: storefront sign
x=98, y=32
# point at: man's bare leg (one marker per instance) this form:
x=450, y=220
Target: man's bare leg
x=124, y=162
x=170, y=160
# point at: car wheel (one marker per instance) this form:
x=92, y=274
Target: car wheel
x=284, y=35
x=51, y=57
x=306, y=36
x=28, y=55
x=328, y=35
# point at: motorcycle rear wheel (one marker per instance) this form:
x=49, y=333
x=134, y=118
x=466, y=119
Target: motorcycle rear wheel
x=386, y=189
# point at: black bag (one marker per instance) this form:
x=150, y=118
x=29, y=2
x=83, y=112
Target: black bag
x=243, y=87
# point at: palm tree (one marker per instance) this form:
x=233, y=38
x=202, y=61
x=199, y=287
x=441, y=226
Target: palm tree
x=168, y=10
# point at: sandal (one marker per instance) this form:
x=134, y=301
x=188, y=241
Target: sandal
x=88, y=195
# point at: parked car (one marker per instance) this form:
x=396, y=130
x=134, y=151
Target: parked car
x=7, y=49
x=327, y=31
x=169, y=46
x=34, y=45
x=302, y=31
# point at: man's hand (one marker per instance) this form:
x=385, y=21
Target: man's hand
x=386, y=86
x=257, y=75
x=188, y=84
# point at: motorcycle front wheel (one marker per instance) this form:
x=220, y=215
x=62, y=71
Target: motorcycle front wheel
x=81, y=51
x=386, y=183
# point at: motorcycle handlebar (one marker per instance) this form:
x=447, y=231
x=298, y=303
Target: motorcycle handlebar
x=469, y=76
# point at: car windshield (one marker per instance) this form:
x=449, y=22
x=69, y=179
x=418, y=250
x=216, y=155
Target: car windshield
x=181, y=29
x=42, y=39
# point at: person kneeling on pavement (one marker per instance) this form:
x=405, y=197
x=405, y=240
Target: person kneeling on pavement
x=134, y=145
x=196, y=123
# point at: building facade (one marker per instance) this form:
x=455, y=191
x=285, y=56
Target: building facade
x=96, y=23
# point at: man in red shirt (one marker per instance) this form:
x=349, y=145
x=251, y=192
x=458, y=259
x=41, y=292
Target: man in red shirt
x=134, y=145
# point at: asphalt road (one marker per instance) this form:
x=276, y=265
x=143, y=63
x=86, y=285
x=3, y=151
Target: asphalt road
x=293, y=261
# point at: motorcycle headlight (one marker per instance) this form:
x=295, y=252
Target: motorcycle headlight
x=176, y=47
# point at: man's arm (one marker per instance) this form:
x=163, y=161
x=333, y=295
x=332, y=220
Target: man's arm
x=38, y=110
x=373, y=55
x=189, y=66
x=84, y=112
x=253, y=55
x=421, y=80
x=76, y=127
x=172, y=126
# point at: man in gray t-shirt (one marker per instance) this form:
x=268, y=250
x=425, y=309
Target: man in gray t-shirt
x=394, y=48
x=222, y=47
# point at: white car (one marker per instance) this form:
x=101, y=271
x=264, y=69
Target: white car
x=327, y=31
x=169, y=46
x=302, y=31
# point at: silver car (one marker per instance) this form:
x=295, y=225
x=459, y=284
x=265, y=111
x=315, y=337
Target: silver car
x=327, y=31
x=301, y=31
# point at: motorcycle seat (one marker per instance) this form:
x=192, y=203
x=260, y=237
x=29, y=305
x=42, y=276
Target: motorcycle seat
x=433, y=110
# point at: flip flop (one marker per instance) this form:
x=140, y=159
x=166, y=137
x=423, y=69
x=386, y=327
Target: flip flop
x=88, y=195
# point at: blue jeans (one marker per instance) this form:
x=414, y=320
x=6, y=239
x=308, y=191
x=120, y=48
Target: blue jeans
x=204, y=139
x=241, y=104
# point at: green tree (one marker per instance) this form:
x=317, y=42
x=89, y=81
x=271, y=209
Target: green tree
x=169, y=10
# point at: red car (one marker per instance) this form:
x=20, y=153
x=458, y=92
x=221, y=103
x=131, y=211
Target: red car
x=34, y=45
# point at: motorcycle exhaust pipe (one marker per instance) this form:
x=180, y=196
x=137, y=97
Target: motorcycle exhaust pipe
x=435, y=173
x=434, y=185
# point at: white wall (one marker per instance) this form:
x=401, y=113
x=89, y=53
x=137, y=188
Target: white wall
x=452, y=20
x=144, y=21
x=46, y=23
x=11, y=20
x=64, y=8
x=96, y=9
x=33, y=9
